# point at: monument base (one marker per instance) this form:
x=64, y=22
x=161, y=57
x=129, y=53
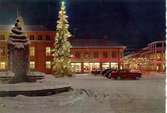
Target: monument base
x=16, y=79
x=41, y=85
x=19, y=63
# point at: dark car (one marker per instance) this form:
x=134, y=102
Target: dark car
x=96, y=72
x=107, y=72
x=104, y=71
x=125, y=74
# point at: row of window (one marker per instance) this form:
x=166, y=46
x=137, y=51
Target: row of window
x=47, y=65
x=32, y=65
x=114, y=54
x=47, y=51
x=77, y=54
x=32, y=51
x=31, y=37
x=40, y=37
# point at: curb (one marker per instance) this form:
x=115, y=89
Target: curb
x=36, y=92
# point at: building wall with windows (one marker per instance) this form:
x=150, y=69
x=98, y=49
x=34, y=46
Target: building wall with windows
x=87, y=54
x=150, y=58
x=88, y=59
x=96, y=54
x=40, y=50
x=41, y=40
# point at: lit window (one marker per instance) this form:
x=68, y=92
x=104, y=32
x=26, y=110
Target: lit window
x=48, y=64
x=105, y=65
x=88, y=67
x=48, y=51
x=32, y=65
x=76, y=67
x=32, y=51
x=114, y=65
x=2, y=65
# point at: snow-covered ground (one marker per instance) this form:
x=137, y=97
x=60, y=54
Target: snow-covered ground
x=95, y=94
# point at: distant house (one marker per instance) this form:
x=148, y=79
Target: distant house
x=150, y=58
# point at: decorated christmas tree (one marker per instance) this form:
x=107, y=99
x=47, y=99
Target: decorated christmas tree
x=61, y=64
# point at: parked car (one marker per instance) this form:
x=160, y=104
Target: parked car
x=107, y=72
x=104, y=71
x=124, y=74
x=96, y=72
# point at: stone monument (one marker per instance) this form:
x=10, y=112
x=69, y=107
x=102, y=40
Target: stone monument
x=18, y=52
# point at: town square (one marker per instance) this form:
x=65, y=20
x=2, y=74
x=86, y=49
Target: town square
x=68, y=56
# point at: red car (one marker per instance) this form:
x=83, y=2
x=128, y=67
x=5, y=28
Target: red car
x=124, y=74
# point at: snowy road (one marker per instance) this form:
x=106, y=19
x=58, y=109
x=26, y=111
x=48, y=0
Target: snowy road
x=96, y=95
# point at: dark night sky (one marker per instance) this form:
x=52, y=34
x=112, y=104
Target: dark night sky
x=133, y=23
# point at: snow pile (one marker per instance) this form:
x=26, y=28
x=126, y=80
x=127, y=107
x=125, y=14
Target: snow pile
x=6, y=74
x=48, y=77
x=94, y=96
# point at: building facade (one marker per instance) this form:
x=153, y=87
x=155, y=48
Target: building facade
x=150, y=58
x=87, y=54
x=95, y=54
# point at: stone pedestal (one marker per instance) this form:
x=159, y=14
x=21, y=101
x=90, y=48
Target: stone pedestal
x=19, y=62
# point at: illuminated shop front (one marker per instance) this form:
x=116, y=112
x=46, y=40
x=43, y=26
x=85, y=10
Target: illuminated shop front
x=109, y=65
x=76, y=67
x=88, y=67
x=114, y=65
x=150, y=58
x=105, y=65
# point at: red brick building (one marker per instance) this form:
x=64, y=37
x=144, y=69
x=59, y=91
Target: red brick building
x=92, y=54
x=87, y=54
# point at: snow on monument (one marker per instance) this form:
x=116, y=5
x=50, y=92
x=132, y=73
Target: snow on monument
x=18, y=52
